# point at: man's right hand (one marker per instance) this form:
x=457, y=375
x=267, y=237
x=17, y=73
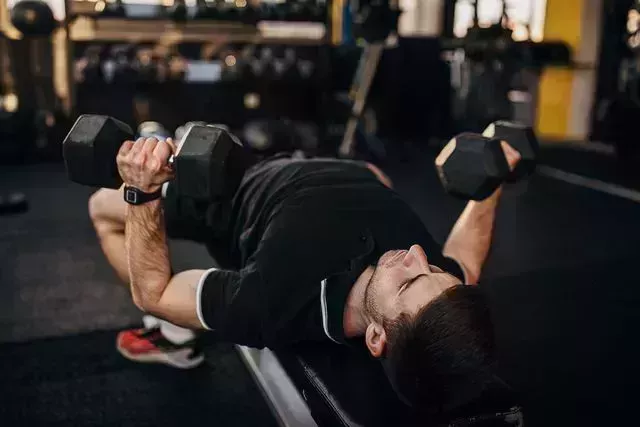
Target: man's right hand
x=511, y=154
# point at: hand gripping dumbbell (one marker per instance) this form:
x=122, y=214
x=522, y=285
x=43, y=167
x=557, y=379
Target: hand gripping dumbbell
x=473, y=166
x=209, y=165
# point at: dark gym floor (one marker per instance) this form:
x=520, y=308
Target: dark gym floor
x=60, y=310
x=560, y=262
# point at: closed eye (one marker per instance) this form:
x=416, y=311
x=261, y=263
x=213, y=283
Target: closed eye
x=410, y=282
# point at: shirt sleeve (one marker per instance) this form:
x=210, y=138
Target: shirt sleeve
x=228, y=304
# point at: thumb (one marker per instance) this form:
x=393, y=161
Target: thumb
x=511, y=154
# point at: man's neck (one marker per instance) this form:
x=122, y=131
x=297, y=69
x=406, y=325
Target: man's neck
x=354, y=320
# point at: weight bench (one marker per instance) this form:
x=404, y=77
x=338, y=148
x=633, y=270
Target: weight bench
x=318, y=385
x=325, y=385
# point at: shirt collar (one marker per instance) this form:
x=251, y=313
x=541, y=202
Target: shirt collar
x=335, y=291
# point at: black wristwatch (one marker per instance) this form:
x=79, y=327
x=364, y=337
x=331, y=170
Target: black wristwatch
x=135, y=196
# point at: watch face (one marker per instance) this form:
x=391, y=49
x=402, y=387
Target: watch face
x=131, y=196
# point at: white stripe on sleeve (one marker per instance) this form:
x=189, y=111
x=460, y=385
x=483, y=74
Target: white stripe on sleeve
x=199, y=297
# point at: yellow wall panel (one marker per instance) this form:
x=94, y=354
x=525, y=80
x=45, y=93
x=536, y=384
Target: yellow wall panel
x=554, y=110
x=554, y=103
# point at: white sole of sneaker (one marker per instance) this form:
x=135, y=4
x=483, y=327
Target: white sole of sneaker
x=178, y=359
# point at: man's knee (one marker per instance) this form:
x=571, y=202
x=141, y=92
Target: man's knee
x=106, y=210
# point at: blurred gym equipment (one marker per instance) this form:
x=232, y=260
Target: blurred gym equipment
x=374, y=22
x=13, y=203
x=487, y=64
x=33, y=18
x=178, y=11
x=617, y=110
x=262, y=71
x=113, y=9
x=35, y=83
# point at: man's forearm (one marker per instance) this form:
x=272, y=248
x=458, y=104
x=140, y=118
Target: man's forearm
x=147, y=252
x=470, y=239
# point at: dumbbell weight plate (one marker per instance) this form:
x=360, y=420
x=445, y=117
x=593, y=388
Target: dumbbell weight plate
x=210, y=164
x=177, y=11
x=472, y=167
x=33, y=18
x=122, y=57
x=248, y=15
x=92, y=65
x=145, y=66
x=114, y=9
x=182, y=130
x=520, y=137
x=90, y=150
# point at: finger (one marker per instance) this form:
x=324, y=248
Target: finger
x=149, y=145
x=172, y=145
x=168, y=169
x=167, y=144
x=137, y=147
x=446, y=152
x=163, y=176
x=507, y=147
x=162, y=152
x=511, y=154
x=125, y=148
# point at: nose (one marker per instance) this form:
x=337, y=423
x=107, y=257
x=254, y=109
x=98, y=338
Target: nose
x=416, y=259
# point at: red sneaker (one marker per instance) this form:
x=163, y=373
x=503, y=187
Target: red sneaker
x=150, y=346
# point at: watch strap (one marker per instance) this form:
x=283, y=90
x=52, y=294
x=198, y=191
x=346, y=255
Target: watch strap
x=135, y=196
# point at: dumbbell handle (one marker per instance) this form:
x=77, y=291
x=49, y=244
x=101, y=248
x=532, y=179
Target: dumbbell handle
x=157, y=131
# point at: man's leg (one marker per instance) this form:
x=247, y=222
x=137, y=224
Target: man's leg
x=107, y=210
x=159, y=340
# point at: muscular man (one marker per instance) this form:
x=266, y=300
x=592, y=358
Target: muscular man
x=318, y=249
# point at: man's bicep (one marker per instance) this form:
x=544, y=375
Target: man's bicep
x=199, y=299
x=179, y=301
x=227, y=302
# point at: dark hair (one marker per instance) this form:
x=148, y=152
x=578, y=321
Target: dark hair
x=443, y=359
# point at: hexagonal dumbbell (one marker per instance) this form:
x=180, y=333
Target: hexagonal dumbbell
x=523, y=139
x=210, y=162
x=473, y=166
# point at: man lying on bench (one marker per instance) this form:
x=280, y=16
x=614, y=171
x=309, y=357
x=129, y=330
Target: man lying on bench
x=322, y=250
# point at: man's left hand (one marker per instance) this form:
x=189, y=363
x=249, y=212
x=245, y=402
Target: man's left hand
x=144, y=164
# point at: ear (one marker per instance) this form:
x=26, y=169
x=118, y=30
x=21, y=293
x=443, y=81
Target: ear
x=376, y=339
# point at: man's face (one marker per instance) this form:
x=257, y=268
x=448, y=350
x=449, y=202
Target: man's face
x=404, y=282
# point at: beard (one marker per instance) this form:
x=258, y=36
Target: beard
x=371, y=306
x=373, y=293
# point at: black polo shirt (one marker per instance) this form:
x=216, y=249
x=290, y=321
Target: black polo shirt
x=302, y=233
